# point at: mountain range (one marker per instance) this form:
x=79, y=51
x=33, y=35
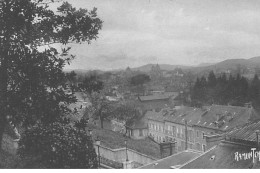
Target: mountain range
x=229, y=64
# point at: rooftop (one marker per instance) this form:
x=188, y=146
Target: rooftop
x=222, y=156
x=174, y=161
x=116, y=140
x=218, y=117
x=245, y=132
x=154, y=97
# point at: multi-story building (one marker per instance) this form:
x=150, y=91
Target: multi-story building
x=189, y=126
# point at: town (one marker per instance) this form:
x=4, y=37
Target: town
x=125, y=111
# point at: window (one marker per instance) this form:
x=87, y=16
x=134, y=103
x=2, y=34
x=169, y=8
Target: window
x=174, y=131
x=204, y=148
x=203, y=135
x=140, y=132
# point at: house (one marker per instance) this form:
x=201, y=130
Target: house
x=173, y=161
x=193, y=127
x=238, y=150
x=157, y=101
x=136, y=128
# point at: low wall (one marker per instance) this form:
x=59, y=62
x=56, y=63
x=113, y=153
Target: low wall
x=119, y=155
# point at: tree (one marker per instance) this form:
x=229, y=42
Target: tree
x=57, y=145
x=139, y=80
x=101, y=108
x=71, y=77
x=31, y=76
x=125, y=112
x=92, y=84
x=254, y=91
x=212, y=81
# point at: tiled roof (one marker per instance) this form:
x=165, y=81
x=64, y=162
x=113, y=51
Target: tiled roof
x=246, y=132
x=173, y=161
x=154, y=97
x=222, y=156
x=157, y=116
x=215, y=117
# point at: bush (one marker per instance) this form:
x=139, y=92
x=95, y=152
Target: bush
x=57, y=145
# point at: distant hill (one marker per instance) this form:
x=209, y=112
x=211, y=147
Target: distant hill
x=168, y=67
x=205, y=64
x=83, y=71
x=229, y=64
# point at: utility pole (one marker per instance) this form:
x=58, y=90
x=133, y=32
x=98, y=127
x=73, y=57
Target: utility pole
x=186, y=135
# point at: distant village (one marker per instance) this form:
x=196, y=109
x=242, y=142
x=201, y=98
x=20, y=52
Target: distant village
x=164, y=130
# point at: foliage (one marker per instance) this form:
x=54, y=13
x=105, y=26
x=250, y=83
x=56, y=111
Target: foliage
x=92, y=84
x=31, y=76
x=101, y=108
x=226, y=90
x=140, y=79
x=125, y=112
x=58, y=145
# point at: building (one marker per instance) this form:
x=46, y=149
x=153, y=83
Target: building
x=137, y=128
x=174, y=161
x=237, y=150
x=193, y=127
x=157, y=101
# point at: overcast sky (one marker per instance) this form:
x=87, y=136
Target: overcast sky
x=187, y=32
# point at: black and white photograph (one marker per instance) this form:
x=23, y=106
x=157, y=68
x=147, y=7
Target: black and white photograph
x=130, y=84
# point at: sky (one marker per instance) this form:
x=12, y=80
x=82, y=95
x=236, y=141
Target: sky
x=178, y=32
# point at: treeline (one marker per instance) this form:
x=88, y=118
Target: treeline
x=226, y=90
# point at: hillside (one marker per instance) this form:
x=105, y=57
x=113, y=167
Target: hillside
x=168, y=67
x=229, y=64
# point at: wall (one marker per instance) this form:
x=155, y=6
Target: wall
x=156, y=130
x=119, y=155
x=136, y=133
x=176, y=132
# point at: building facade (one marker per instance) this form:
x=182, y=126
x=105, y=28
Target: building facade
x=190, y=127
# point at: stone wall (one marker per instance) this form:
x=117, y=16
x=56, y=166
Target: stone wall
x=119, y=155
